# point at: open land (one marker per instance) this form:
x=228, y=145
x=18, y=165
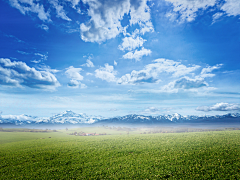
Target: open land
x=119, y=153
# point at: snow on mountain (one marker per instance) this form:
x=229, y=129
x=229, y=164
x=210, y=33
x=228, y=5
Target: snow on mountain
x=69, y=117
x=17, y=119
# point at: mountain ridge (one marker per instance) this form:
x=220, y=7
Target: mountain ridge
x=70, y=117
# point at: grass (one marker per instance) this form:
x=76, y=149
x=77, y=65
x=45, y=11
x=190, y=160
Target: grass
x=195, y=155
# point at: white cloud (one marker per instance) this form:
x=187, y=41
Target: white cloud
x=106, y=16
x=22, y=52
x=89, y=74
x=231, y=7
x=206, y=72
x=89, y=63
x=106, y=73
x=75, y=76
x=105, y=19
x=115, y=63
x=74, y=3
x=195, y=83
x=130, y=43
x=18, y=73
x=220, y=107
x=44, y=27
x=151, y=72
x=43, y=56
x=36, y=61
x=151, y=110
x=216, y=16
x=44, y=67
x=76, y=84
x=59, y=10
x=184, y=83
x=27, y=6
x=140, y=13
x=187, y=9
x=137, y=55
x=74, y=73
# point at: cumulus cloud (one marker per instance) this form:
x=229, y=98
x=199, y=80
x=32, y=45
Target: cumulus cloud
x=115, y=63
x=185, y=83
x=130, y=43
x=59, y=10
x=106, y=73
x=231, y=7
x=187, y=10
x=76, y=84
x=137, y=55
x=220, y=107
x=140, y=13
x=18, y=74
x=106, y=16
x=151, y=72
x=75, y=76
x=30, y=6
x=74, y=73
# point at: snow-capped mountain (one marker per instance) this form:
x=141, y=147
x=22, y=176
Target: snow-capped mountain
x=69, y=117
x=18, y=119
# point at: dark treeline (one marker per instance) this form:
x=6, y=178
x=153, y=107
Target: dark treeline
x=25, y=130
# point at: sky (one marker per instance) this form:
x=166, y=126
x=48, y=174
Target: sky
x=119, y=57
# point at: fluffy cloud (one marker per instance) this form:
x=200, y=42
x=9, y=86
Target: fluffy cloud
x=75, y=76
x=106, y=16
x=59, y=10
x=76, y=84
x=105, y=19
x=130, y=43
x=74, y=73
x=140, y=13
x=151, y=72
x=187, y=9
x=106, y=73
x=18, y=73
x=184, y=83
x=115, y=63
x=27, y=6
x=231, y=7
x=137, y=55
x=220, y=107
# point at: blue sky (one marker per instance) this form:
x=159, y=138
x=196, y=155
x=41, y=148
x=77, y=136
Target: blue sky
x=110, y=58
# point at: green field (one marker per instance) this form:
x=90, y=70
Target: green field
x=191, y=155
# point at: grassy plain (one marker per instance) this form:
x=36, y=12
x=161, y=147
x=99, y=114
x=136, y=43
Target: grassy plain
x=194, y=155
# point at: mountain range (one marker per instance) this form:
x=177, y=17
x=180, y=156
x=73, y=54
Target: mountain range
x=70, y=118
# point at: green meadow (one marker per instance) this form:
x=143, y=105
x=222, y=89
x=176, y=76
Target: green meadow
x=121, y=155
